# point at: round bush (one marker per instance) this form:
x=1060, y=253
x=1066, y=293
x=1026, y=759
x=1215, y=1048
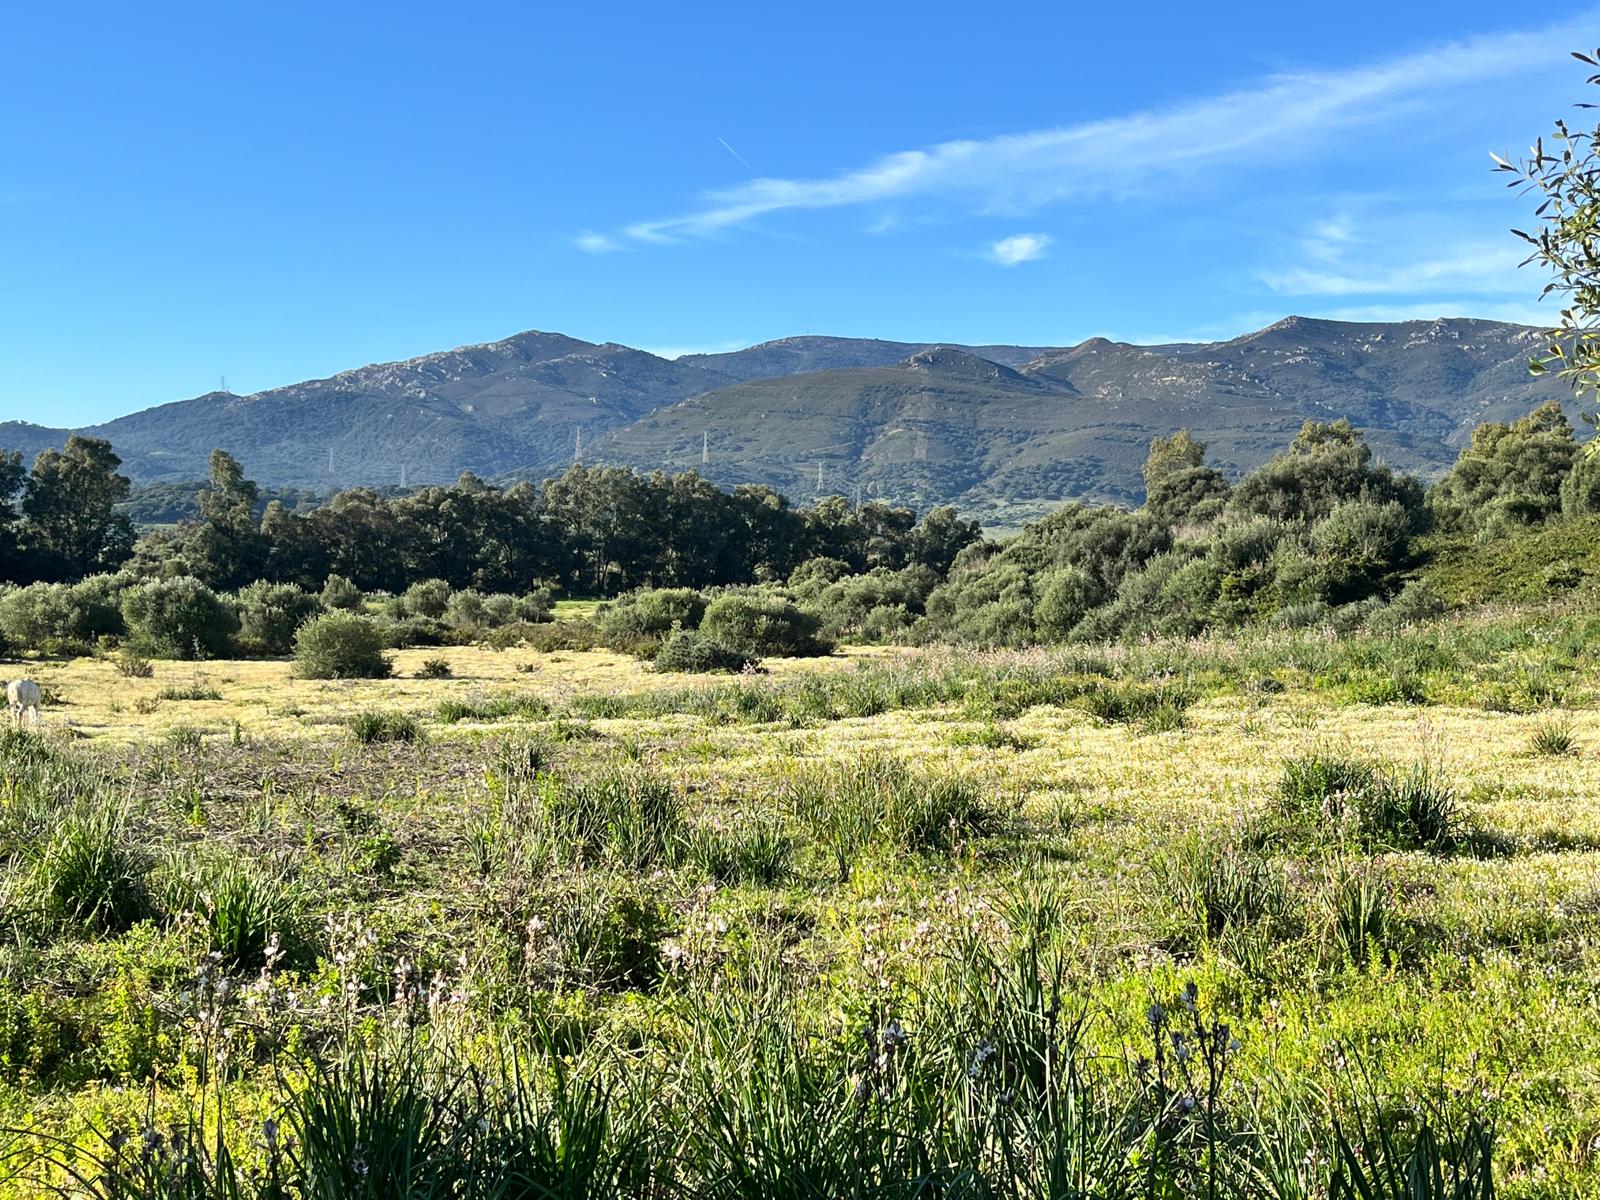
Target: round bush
x=270, y=613
x=468, y=609
x=51, y=616
x=339, y=645
x=686, y=650
x=403, y=633
x=339, y=592
x=763, y=626
x=648, y=615
x=429, y=598
x=178, y=618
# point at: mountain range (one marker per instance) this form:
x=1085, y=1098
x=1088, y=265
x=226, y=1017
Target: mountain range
x=1004, y=432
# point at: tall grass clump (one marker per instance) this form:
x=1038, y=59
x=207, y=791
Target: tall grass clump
x=1154, y=708
x=87, y=870
x=1552, y=738
x=1219, y=886
x=1379, y=806
x=596, y=931
x=1360, y=913
x=1420, y=1156
x=248, y=911
x=497, y=708
x=748, y=848
x=376, y=726
x=879, y=801
x=627, y=817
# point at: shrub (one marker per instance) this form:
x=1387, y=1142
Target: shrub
x=434, y=668
x=469, y=610
x=553, y=637
x=271, y=613
x=385, y=727
x=1562, y=576
x=178, y=618
x=763, y=626
x=407, y=632
x=1417, y=602
x=131, y=664
x=877, y=606
x=642, y=619
x=54, y=617
x=426, y=598
x=339, y=593
x=1357, y=544
x=339, y=645
x=688, y=651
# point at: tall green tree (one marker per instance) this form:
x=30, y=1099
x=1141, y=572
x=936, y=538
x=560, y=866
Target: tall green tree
x=226, y=548
x=1178, y=485
x=71, y=526
x=11, y=479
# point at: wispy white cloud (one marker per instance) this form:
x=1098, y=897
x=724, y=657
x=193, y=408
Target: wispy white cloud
x=1474, y=269
x=1020, y=248
x=591, y=242
x=1327, y=239
x=1282, y=117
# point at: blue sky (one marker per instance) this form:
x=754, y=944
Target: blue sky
x=278, y=192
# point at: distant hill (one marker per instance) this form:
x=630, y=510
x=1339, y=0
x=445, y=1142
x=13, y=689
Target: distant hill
x=1003, y=431
x=1005, y=443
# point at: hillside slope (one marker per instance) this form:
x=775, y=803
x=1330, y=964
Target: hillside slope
x=1077, y=422
x=1003, y=431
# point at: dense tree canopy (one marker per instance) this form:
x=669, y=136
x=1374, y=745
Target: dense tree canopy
x=591, y=531
x=70, y=526
x=1509, y=475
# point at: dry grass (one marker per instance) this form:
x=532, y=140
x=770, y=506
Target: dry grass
x=264, y=698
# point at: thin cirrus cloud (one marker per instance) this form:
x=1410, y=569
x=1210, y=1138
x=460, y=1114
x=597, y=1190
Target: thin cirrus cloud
x=1020, y=248
x=591, y=242
x=1023, y=171
x=1476, y=269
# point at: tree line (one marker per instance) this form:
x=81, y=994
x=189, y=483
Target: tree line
x=595, y=531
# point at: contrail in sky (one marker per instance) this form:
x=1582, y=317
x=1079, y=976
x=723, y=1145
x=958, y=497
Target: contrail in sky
x=736, y=154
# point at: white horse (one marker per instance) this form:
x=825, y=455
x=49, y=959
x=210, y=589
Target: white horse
x=23, y=696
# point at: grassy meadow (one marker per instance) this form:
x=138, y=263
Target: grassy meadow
x=1278, y=914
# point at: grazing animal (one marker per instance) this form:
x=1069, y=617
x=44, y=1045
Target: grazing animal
x=23, y=695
